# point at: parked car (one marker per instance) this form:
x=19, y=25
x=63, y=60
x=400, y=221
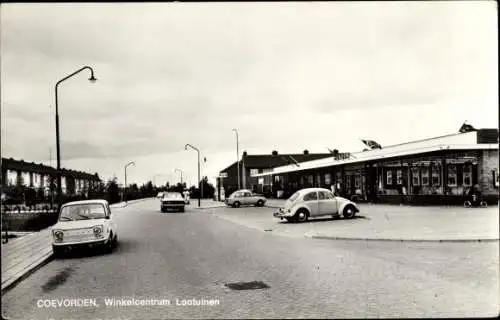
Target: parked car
x=172, y=201
x=84, y=224
x=245, y=197
x=159, y=195
x=315, y=202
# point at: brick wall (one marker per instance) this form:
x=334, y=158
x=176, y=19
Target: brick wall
x=487, y=164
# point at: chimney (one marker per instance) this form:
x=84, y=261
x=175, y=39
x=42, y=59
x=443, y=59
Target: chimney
x=275, y=153
x=306, y=151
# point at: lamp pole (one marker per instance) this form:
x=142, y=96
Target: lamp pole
x=179, y=170
x=238, y=157
x=91, y=79
x=201, y=187
x=125, y=190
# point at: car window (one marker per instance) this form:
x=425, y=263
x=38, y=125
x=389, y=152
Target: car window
x=311, y=196
x=82, y=212
x=248, y=194
x=322, y=195
x=329, y=195
x=294, y=196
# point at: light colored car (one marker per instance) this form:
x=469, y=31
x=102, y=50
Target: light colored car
x=315, y=202
x=172, y=201
x=245, y=197
x=159, y=195
x=87, y=223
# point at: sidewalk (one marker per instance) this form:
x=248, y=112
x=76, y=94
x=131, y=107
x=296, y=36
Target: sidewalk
x=379, y=222
x=206, y=204
x=22, y=256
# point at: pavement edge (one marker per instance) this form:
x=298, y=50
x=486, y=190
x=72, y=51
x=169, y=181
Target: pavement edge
x=322, y=237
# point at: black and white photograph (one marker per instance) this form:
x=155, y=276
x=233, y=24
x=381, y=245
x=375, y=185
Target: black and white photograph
x=249, y=160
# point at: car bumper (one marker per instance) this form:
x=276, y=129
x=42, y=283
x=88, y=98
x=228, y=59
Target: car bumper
x=81, y=245
x=173, y=206
x=281, y=213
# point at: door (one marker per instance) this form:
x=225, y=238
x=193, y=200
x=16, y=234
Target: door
x=327, y=204
x=311, y=201
x=246, y=198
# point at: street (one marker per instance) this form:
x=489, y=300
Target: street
x=192, y=255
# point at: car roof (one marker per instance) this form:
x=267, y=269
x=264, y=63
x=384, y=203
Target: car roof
x=312, y=189
x=245, y=190
x=95, y=201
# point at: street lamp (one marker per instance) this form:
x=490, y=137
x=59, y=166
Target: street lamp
x=179, y=170
x=201, y=187
x=125, y=190
x=91, y=79
x=237, y=157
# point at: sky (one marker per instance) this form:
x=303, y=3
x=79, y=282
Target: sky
x=288, y=75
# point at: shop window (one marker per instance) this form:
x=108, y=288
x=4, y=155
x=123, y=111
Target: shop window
x=318, y=179
x=276, y=178
x=261, y=181
x=415, y=173
x=436, y=176
x=399, y=176
x=389, y=177
x=495, y=178
x=310, y=179
x=425, y=176
x=452, y=176
x=357, y=182
x=467, y=175
x=328, y=179
x=348, y=182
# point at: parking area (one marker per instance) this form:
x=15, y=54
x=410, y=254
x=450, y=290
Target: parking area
x=392, y=222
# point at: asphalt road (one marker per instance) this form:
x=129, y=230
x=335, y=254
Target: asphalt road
x=176, y=256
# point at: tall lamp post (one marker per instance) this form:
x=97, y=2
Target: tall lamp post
x=125, y=190
x=238, y=156
x=91, y=79
x=201, y=187
x=179, y=170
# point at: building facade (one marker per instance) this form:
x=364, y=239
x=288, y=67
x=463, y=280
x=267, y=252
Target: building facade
x=436, y=170
x=252, y=165
x=40, y=177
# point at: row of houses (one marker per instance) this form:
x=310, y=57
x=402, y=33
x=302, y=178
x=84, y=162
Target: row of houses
x=40, y=176
x=435, y=170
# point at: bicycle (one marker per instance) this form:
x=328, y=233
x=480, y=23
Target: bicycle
x=476, y=203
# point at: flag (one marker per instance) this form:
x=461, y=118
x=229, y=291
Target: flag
x=466, y=128
x=371, y=144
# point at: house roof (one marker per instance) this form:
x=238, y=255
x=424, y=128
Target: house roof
x=458, y=141
x=264, y=161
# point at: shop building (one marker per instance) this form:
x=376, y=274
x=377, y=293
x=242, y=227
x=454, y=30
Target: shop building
x=251, y=165
x=438, y=170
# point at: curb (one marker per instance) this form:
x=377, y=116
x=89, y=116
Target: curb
x=30, y=270
x=398, y=240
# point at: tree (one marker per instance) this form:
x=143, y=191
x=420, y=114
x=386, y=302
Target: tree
x=113, y=191
x=208, y=188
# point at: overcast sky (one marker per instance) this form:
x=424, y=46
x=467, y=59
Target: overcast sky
x=289, y=76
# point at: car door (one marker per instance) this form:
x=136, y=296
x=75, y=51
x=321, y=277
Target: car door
x=327, y=203
x=112, y=220
x=311, y=201
x=247, y=197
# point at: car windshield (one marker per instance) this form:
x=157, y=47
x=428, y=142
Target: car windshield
x=294, y=196
x=82, y=212
x=172, y=195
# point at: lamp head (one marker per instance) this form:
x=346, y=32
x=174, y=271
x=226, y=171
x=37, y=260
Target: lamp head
x=92, y=78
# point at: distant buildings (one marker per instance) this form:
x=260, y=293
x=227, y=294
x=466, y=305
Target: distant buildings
x=435, y=170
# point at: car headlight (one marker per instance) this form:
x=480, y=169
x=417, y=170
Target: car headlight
x=58, y=235
x=98, y=231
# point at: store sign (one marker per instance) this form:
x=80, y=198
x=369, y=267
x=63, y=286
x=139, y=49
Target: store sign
x=223, y=175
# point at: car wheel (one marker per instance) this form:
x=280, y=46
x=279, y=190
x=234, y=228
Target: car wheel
x=302, y=215
x=260, y=203
x=349, y=212
x=236, y=204
x=484, y=204
x=110, y=245
x=467, y=204
x=58, y=251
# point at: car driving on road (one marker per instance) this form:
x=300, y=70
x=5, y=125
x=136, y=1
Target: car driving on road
x=87, y=223
x=172, y=201
x=315, y=202
x=245, y=197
